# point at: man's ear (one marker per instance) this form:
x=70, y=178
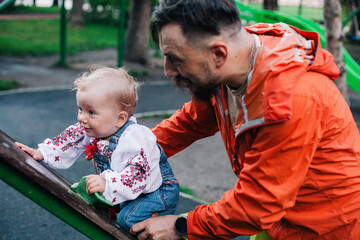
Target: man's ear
x=122, y=119
x=220, y=53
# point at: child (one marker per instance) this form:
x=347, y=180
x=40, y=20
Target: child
x=134, y=171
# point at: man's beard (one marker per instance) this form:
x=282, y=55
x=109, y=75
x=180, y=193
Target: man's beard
x=197, y=92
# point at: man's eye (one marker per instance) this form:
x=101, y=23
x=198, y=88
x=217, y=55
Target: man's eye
x=177, y=63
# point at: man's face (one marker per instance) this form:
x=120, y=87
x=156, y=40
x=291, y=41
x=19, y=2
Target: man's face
x=187, y=66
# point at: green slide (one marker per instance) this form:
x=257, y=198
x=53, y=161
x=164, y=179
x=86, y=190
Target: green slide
x=254, y=15
x=5, y=3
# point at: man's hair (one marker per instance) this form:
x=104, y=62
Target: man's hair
x=121, y=86
x=197, y=18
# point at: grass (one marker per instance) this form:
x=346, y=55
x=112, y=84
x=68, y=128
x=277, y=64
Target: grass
x=19, y=9
x=8, y=84
x=41, y=37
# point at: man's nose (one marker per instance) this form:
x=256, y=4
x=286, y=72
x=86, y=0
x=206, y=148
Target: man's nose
x=169, y=69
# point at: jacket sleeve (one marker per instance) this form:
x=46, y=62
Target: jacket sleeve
x=275, y=165
x=194, y=121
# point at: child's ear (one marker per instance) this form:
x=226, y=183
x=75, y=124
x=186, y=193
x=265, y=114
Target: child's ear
x=122, y=119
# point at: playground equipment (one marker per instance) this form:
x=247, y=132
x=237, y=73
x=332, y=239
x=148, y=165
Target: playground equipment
x=52, y=192
x=5, y=4
x=352, y=16
x=254, y=15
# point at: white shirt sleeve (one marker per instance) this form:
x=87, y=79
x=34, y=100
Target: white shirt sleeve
x=134, y=166
x=63, y=150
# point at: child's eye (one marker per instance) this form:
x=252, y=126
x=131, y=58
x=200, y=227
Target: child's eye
x=80, y=110
x=91, y=113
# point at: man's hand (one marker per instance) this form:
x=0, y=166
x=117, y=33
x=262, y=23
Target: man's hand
x=34, y=153
x=156, y=228
x=95, y=183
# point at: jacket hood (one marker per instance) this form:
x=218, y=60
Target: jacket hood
x=285, y=54
x=320, y=60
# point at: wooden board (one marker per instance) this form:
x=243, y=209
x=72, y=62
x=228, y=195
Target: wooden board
x=52, y=191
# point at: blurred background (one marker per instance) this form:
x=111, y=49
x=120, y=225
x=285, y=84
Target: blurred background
x=46, y=44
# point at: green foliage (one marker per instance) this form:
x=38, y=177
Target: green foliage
x=8, y=84
x=19, y=9
x=137, y=74
x=41, y=37
x=104, y=11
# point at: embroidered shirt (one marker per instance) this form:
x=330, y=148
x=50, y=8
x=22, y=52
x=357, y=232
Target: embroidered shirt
x=134, y=163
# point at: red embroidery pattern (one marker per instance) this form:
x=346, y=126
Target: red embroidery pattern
x=113, y=180
x=114, y=200
x=71, y=144
x=57, y=158
x=138, y=189
x=138, y=171
x=70, y=133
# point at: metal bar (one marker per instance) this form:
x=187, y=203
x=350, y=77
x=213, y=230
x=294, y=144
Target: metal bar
x=5, y=4
x=352, y=15
x=121, y=33
x=62, y=60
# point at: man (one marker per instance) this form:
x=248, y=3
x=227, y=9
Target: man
x=289, y=134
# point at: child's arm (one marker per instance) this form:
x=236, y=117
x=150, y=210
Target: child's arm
x=63, y=150
x=34, y=153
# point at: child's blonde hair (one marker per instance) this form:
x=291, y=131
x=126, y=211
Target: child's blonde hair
x=121, y=85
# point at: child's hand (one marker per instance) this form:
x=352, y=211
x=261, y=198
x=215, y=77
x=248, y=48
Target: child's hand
x=34, y=153
x=95, y=183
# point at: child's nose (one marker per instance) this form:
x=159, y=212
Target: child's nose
x=81, y=118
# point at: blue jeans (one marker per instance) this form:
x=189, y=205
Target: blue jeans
x=163, y=201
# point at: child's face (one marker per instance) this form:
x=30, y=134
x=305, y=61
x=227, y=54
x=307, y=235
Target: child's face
x=98, y=113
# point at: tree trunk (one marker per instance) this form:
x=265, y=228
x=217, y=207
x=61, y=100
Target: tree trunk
x=56, y=3
x=137, y=39
x=270, y=5
x=334, y=41
x=76, y=14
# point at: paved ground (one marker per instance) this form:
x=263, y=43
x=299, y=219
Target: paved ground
x=43, y=106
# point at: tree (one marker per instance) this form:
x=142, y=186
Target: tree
x=270, y=5
x=55, y=3
x=77, y=14
x=334, y=41
x=137, y=39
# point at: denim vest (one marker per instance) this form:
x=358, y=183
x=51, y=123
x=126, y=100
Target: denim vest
x=102, y=162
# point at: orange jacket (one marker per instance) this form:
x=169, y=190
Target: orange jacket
x=296, y=153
